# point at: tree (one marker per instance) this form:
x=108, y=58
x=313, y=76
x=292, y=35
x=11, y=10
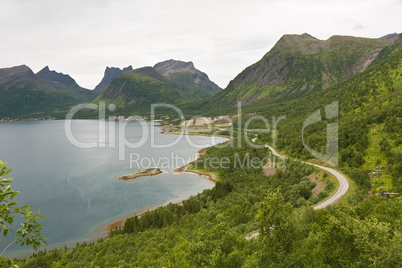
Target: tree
x=273, y=213
x=30, y=228
x=276, y=228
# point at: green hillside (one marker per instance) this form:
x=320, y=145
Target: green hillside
x=24, y=95
x=66, y=85
x=133, y=92
x=369, y=123
x=296, y=66
x=209, y=230
x=110, y=74
x=169, y=82
x=191, y=83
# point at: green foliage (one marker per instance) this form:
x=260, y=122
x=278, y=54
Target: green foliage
x=208, y=230
x=184, y=84
x=273, y=216
x=29, y=231
x=361, y=178
x=20, y=103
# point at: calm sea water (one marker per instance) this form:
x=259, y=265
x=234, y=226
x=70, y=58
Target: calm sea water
x=77, y=188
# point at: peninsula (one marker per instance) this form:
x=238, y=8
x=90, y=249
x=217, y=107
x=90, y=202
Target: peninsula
x=141, y=173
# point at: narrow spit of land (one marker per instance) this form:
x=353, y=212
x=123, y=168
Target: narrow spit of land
x=140, y=173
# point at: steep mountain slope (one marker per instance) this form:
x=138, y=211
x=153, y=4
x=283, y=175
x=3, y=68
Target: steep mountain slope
x=65, y=84
x=369, y=117
x=300, y=64
x=23, y=94
x=189, y=81
x=110, y=74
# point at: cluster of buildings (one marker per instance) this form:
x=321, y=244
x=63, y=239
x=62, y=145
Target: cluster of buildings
x=130, y=118
x=202, y=121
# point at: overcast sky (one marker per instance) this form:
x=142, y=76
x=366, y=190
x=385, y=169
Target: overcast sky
x=222, y=38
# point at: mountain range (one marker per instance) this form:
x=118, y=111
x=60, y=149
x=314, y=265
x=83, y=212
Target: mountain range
x=171, y=82
x=28, y=95
x=24, y=93
x=296, y=66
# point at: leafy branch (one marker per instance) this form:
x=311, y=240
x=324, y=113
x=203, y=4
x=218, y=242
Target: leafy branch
x=30, y=229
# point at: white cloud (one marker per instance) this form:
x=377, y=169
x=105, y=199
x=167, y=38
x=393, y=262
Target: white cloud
x=221, y=37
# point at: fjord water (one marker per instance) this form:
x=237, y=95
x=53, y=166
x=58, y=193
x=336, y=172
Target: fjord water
x=77, y=188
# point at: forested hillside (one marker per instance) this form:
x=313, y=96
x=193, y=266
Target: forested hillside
x=370, y=127
x=24, y=94
x=209, y=230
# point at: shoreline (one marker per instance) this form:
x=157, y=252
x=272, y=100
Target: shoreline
x=102, y=230
x=182, y=169
x=119, y=222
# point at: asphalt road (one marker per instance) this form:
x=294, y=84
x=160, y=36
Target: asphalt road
x=342, y=189
x=343, y=182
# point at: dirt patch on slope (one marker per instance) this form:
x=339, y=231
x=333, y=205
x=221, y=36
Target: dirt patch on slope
x=319, y=187
x=269, y=168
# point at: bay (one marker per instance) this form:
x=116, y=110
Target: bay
x=77, y=188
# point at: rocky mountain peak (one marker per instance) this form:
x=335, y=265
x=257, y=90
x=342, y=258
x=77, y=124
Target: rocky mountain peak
x=55, y=78
x=305, y=43
x=304, y=36
x=16, y=69
x=112, y=70
x=17, y=73
x=110, y=74
x=390, y=36
x=166, y=68
x=128, y=68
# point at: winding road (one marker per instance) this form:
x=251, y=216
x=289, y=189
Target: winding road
x=343, y=182
x=341, y=191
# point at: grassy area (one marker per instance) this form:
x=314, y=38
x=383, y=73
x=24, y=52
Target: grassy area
x=352, y=195
x=376, y=160
x=215, y=173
